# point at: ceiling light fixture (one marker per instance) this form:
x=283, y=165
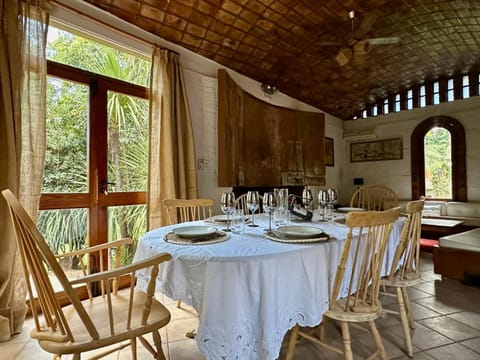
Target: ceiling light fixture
x=269, y=89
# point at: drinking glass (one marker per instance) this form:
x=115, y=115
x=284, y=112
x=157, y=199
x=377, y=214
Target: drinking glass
x=307, y=198
x=281, y=214
x=238, y=221
x=227, y=205
x=269, y=206
x=322, y=202
x=332, y=200
x=253, y=203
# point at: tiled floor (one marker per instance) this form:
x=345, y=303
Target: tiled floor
x=447, y=316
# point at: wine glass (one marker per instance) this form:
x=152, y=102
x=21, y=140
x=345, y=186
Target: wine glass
x=253, y=203
x=269, y=206
x=307, y=198
x=332, y=200
x=227, y=205
x=322, y=201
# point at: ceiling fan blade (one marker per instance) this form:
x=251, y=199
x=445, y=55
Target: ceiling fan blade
x=384, y=40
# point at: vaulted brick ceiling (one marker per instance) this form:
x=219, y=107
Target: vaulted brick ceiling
x=293, y=43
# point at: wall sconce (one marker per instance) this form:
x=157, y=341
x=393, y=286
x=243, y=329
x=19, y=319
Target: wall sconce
x=269, y=89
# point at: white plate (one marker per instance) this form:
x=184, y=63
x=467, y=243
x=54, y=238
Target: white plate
x=194, y=231
x=300, y=232
x=349, y=209
x=224, y=218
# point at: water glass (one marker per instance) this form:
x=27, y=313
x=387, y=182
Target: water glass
x=238, y=222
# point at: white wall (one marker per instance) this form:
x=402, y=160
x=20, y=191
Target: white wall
x=396, y=173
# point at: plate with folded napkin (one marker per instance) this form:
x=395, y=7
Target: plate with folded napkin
x=196, y=235
x=297, y=234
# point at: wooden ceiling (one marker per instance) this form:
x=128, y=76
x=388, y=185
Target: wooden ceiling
x=292, y=44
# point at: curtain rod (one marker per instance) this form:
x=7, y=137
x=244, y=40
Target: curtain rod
x=112, y=27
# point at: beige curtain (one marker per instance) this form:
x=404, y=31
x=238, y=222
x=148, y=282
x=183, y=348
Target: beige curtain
x=172, y=172
x=22, y=139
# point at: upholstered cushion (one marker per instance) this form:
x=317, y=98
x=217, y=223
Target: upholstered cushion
x=460, y=209
x=468, y=240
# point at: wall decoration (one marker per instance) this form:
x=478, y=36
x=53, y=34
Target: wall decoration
x=329, y=154
x=389, y=149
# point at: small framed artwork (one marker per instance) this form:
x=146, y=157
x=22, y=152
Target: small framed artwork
x=329, y=155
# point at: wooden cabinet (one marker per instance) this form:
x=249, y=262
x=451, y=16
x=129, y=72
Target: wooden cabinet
x=260, y=144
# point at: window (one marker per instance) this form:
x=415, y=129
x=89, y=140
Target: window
x=97, y=144
x=438, y=163
x=436, y=93
x=385, y=106
x=374, y=110
x=410, y=99
x=397, y=103
x=422, y=96
x=465, y=87
x=450, y=91
x=445, y=125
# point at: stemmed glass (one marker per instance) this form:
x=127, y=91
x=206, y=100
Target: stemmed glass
x=332, y=200
x=269, y=206
x=227, y=205
x=253, y=203
x=322, y=201
x=307, y=198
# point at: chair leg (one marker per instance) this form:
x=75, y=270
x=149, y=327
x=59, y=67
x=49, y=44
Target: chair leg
x=133, y=347
x=347, y=342
x=322, y=330
x=405, y=322
x=378, y=339
x=408, y=307
x=179, y=302
x=76, y=356
x=292, y=343
x=157, y=339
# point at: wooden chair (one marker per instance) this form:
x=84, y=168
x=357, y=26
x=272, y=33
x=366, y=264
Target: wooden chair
x=361, y=259
x=181, y=210
x=405, y=270
x=95, y=323
x=374, y=197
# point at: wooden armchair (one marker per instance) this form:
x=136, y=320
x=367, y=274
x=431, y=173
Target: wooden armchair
x=112, y=319
x=405, y=270
x=181, y=210
x=355, y=295
x=374, y=197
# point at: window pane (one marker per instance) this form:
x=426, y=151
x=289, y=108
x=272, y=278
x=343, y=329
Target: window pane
x=86, y=54
x=374, y=110
x=127, y=142
x=127, y=222
x=64, y=230
x=438, y=164
x=66, y=161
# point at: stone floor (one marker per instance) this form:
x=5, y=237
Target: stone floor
x=447, y=315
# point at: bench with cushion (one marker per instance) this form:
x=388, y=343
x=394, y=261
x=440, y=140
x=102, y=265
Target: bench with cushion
x=457, y=256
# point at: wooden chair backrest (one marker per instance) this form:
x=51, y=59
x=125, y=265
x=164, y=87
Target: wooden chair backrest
x=374, y=197
x=362, y=255
x=37, y=257
x=408, y=248
x=182, y=210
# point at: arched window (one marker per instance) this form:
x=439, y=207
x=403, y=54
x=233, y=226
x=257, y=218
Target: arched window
x=437, y=145
x=457, y=153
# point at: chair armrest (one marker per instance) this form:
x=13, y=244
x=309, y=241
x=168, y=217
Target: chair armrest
x=112, y=244
x=127, y=269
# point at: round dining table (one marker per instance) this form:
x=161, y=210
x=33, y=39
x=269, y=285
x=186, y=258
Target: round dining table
x=248, y=290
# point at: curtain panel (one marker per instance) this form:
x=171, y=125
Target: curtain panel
x=172, y=168
x=22, y=139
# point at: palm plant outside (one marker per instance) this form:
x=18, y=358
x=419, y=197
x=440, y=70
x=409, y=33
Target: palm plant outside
x=66, y=160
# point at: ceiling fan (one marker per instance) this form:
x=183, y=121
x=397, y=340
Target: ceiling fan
x=360, y=46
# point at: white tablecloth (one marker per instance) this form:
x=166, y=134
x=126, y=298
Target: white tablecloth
x=249, y=291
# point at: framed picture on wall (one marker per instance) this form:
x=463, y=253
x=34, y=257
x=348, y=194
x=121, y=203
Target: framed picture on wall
x=329, y=155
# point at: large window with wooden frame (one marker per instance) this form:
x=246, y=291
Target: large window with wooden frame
x=95, y=173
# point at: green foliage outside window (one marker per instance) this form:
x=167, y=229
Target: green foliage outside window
x=438, y=164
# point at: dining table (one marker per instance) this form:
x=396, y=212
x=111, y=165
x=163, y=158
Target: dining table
x=248, y=289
